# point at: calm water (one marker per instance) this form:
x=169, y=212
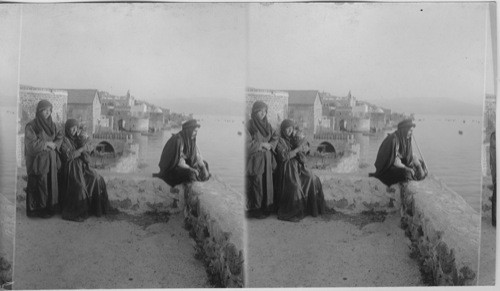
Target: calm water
x=219, y=143
x=453, y=158
x=8, y=126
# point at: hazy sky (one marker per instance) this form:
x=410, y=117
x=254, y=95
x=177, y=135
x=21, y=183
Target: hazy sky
x=377, y=50
x=160, y=52
x=164, y=52
x=9, y=54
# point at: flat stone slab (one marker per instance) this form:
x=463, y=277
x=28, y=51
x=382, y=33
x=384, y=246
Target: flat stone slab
x=138, y=194
x=353, y=194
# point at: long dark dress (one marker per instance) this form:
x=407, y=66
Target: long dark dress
x=83, y=188
x=181, y=146
x=41, y=166
x=259, y=168
x=300, y=191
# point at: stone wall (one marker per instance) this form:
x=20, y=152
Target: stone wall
x=277, y=103
x=29, y=98
x=444, y=230
x=214, y=215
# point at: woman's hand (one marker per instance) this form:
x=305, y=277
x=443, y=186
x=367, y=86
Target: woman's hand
x=266, y=146
x=50, y=145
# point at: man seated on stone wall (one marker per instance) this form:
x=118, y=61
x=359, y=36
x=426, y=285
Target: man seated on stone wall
x=395, y=160
x=181, y=161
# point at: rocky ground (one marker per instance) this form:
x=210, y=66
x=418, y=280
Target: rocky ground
x=332, y=251
x=121, y=251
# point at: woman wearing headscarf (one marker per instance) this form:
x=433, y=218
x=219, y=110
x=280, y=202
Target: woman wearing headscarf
x=300, y=191
x=261, y=139
x=83, y=189
x=395, y=160
x=42, y=139
x=181, y=160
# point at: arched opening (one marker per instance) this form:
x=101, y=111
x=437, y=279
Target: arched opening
x=326, y=148
x=104, y=148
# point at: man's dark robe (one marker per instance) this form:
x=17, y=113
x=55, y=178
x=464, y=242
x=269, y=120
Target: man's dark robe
x=179, y=145
x=393, y=145
x=41, y=166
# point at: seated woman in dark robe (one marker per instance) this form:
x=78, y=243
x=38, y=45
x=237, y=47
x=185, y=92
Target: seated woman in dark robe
x=41, y=141
x=300, y=191
x=261, y=139
x=395, y=160
x=181, y=160
x=83, y=188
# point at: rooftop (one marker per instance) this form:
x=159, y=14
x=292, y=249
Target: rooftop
x=81, y=96
x=302, y=97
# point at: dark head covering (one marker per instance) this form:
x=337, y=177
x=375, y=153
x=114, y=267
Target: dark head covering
x=284, y=125
x=407, y=123
x=261, y=125
x=41, y=123
x=67, y=127
x=192, y=123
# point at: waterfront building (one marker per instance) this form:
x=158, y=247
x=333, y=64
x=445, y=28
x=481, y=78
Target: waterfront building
x=139, y=109
x=84, y=105
x=276, y=100
x=378, y=120
x=305, y=108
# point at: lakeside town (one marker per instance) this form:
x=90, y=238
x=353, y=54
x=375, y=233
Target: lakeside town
x=108, y=118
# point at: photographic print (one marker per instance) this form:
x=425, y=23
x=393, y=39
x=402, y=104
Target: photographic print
x=9, y=72
x=130, y=146
x=365, y=133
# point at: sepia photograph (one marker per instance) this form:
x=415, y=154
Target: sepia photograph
x=365, y=144
x=248, y=145
x=130, y=146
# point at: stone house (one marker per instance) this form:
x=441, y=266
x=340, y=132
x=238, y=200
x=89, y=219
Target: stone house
x=277, y=103
x=84, y=105
x=30, y=96
x=305, y=108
